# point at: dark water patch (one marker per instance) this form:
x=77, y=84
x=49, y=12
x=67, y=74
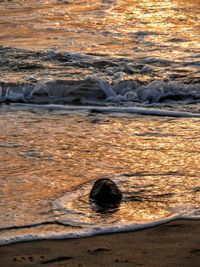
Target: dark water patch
x=177, y=40
x=157, y=61
x=191, y=63
x=196, y=188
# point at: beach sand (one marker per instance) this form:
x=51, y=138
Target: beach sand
x=173, y=244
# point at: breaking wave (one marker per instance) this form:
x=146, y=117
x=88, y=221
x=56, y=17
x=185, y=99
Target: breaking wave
x=96, y=91
x=50, y=77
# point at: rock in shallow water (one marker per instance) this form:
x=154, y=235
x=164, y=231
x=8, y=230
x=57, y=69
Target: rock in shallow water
x=105, y=192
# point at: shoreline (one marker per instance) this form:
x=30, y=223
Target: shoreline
x=174, y=244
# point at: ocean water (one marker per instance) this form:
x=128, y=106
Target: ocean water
x=93, y=89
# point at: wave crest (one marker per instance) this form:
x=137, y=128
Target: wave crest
x=93, y=90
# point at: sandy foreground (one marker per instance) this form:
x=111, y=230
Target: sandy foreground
x=173, y=244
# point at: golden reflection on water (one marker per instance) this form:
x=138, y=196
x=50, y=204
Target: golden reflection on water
x=103, y=27
x=42, y=156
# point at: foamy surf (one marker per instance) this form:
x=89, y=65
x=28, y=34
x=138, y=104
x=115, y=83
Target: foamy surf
x=97, y=94
x=94, y=89
x=67, y=78
x=86, y=232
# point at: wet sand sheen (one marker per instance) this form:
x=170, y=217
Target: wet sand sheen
x=173, y=244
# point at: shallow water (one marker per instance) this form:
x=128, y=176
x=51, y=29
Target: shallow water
x=75, y=78
x=49, y=160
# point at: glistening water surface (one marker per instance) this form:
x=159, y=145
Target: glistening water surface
x=111, y=40
x=49, y=160
x=114, y=27
x=65, y=68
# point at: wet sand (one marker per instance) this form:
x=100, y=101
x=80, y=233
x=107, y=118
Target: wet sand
x=174, y=244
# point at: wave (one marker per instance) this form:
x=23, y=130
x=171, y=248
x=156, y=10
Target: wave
x=86, y=232
x=52, y=77
x=93, y=90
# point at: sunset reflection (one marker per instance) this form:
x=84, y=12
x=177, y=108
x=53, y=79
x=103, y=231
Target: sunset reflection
x=45, y=160
x=91, y=90
x=168, y=27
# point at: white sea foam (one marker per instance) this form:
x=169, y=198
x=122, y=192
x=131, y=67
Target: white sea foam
x=93, y=90
x=92, y=231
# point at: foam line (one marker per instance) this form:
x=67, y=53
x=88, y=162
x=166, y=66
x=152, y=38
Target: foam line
x=97, y=230
x=124, y=110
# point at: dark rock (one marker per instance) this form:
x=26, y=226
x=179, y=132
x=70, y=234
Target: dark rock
x=105, y=192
